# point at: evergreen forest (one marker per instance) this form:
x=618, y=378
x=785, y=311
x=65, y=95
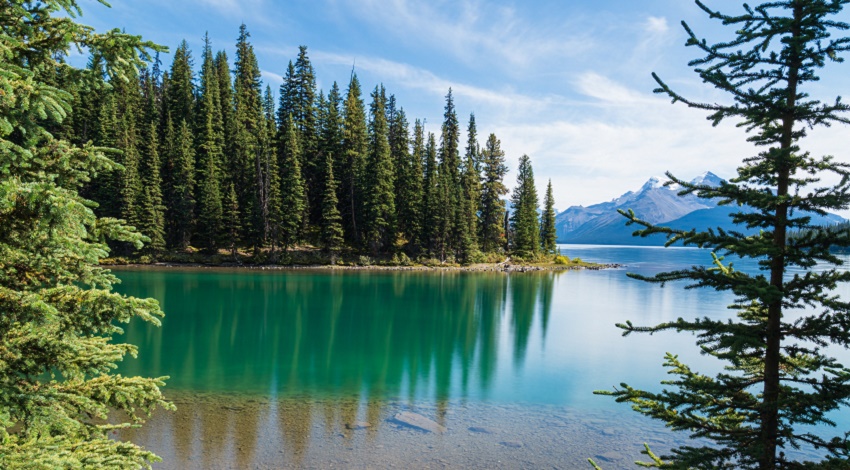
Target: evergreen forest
x=213, y=160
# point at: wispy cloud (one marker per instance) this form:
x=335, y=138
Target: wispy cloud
x=471, y=31
x=416, y=78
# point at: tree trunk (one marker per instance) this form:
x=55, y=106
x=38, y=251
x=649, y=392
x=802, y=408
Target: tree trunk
x=773, y=335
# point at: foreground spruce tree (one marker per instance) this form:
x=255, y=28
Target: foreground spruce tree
x=778, y=376
x=57, y=311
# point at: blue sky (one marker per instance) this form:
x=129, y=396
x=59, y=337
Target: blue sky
x=566, y=82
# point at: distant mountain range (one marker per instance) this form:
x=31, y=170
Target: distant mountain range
x=601, y=224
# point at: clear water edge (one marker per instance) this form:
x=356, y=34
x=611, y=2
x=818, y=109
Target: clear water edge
x=517, y=351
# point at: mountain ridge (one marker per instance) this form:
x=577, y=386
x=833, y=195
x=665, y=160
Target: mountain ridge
x=657, y=204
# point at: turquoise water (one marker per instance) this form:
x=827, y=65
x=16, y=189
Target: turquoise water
x=448, y=340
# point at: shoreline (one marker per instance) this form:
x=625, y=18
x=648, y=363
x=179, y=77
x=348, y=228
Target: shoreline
x=506, y=267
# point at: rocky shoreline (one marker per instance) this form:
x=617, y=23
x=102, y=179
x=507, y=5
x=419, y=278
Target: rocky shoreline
x=504, y=267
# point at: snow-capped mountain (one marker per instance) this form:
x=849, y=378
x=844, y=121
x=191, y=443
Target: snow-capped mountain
x=655, y=203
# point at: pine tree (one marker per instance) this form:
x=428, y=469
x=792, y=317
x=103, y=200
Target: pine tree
x=331, y=220
x=180, y=95
x=57, y=385
x=231, y=219
x=430, y=198
x=412, y=194
x=127, y=139
x=548, y=234
x=355, y=146
x=152, y=211
x=492, y=225
x=247, y=124
x=304, y=114
x=332, y=132
x=151, y=208
x=105, y=184
x=269, y=171
x=524, y=223
x=779, y=380
x=379, y=197
x=210, y=156
x=408, y=175
x=450, y=177
x=294, y=202
x=471, y=195
x=225, y=90
x=181, y=213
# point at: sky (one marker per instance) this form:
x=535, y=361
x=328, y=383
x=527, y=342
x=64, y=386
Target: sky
x=566, y=82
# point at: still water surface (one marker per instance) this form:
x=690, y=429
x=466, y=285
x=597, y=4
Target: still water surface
x=276, y=368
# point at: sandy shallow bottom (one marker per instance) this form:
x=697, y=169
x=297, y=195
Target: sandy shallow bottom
x=250, y=432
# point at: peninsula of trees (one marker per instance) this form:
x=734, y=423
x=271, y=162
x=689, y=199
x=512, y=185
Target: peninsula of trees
x=215, y=161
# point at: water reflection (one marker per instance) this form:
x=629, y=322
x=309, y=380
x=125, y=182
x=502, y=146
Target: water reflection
x=367, y=334
x=277, y=369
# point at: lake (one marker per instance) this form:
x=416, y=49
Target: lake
x=310, y=368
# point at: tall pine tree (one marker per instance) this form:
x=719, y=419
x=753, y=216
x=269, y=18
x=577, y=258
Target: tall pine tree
x=294, y=201
x=355, y=146
x=779, y=380
x=524, y=222
x=210, y=154
x=248, y=122
x=492, y=212
x=379, y=187
x=471, y=196
x=548, y=234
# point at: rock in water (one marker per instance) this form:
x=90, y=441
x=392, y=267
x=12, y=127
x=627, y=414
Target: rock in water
x=419, y=422
x=358, y=425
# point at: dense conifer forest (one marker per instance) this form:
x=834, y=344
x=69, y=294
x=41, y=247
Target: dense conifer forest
x=215, y=161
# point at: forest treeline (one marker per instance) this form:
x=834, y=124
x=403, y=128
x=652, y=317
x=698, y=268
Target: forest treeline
x=215, y=161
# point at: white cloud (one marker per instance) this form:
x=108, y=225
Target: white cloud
x=272, y=77
x=472, y=31
x=416, y=78
x=656, y=25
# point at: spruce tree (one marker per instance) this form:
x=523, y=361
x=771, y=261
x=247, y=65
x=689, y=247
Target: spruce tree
x=524, y=223
x=492, y=225
x=210, y=155
x=225, y=90
x=355, y=145
x=304, y=114
x=180, y=95
x=104, y=185
x=127, y=139
x=378, y=193
x=408, y=175
x=269, y=172
x=331, y=220
x=779, y=378
x=412, y=194
x=332, y=131
x=548, y=234
x=182, y=205
x=231, y=219
x=294, y=197
x=450, y=177
x=247, y=124
x=430, y=198
x=152, y=208
x=57, y=385
x=471, y=196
